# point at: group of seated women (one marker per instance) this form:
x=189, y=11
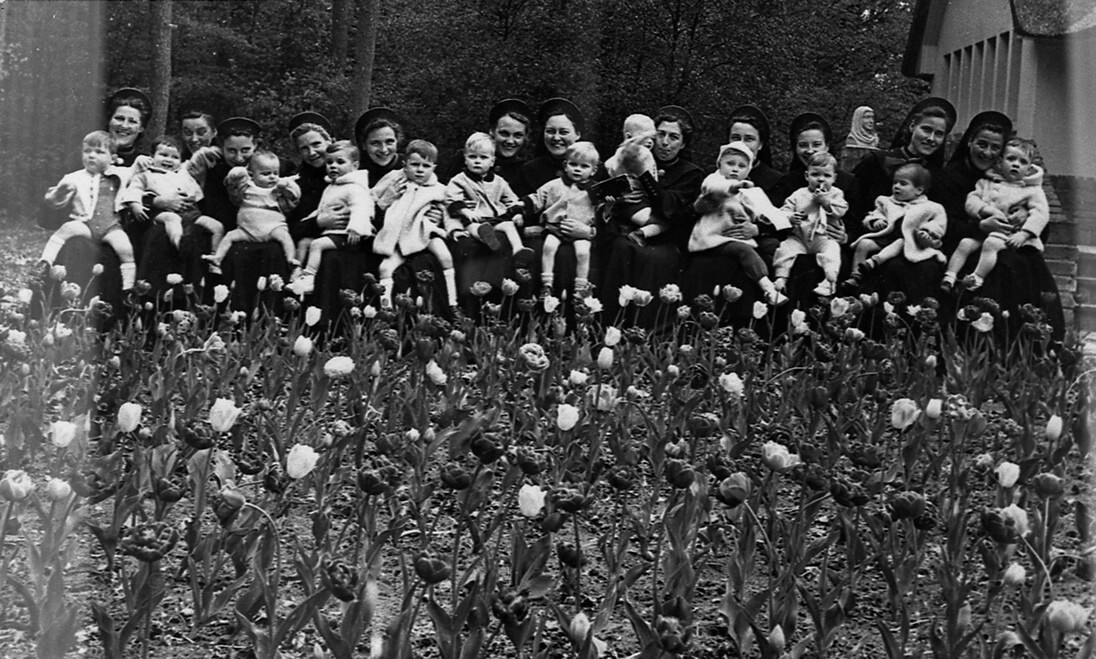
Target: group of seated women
x=567, y=222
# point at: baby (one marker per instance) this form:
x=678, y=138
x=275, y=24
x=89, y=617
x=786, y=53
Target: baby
x=639, y=136
x=92, y=195
x=905, y=223
x=733, y=165
x=408, y=196
x=263, y=199
x=567, y=197
x=1015, y=183
x=483, y=202
x=813, y=209
x=348, y=189
x=167, y=175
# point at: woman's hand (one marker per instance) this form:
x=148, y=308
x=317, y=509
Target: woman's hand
x=435, y=214
x=1017, y=215
x=1017, y=240
x=333, y=217
x=575, y=230
x=178, y=202
x=742, y=231
x=991, y=224
x=837, y=232
x=391, y=193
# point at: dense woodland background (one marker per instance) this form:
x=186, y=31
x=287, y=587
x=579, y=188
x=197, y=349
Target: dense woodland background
x=441, y=64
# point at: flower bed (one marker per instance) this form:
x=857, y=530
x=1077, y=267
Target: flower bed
x=522, y=486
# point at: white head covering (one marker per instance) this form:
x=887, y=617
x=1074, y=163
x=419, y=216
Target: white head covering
x=736, y=147
x=860, y=136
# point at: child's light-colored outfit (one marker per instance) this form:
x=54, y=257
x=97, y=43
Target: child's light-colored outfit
x=904, y=220
x=95, y=202
x=1005, y=196
x=810, y=236
x=708, y=231
x=558, y=199
x=262, y=210
x=406, y=229
x=162, y=183
x=351, y=191
x=488, y=197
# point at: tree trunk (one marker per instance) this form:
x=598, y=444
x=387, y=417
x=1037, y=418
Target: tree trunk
x=161, y=69
x=362, y=83
x=340, y=33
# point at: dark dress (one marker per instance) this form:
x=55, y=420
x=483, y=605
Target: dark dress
x=652, y=266
x=1020, y=276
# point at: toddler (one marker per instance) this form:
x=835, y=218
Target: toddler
x=167, y=175
x=1015, y=183
x=483, y=202
x=733, y=165
x=813, y=208
x=567, y=197
x=348, y=188
x=92, y=195
x=408, y=196
x=905, y=223
x=263, y=199
x=639, y=136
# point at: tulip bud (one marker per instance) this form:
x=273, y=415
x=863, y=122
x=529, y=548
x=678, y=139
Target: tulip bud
x=58, y=490
x=300, y=461
x=129, y=417
x=1054, y=428
x=1014, y=575
x=776, y=639
x=605, y=358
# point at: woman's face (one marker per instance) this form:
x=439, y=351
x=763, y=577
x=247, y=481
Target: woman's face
x=312, y=147
x=928, y=135
x=669, y=141
x=744, y=132
x=197, y=133
x=559, y=133
x=125, y=125
x=985, y=149
x=509, y=134
x=238, y=149
x=381, y=145
x=809, y=143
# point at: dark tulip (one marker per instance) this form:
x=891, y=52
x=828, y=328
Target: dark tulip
x=569, y=500
x=149, y=542
x=486, y=449
x=999, y=527
x=528, y=462
x=704, y=302
x=679, y=473
x=168, y=491
x=371, y=482
x=734, y=489
x=431, y=569
x=1048, y=485
x=672, y=635
x=195, y=438
x=342, y=581
x=907, y=505
x=865, y=455
x=553, y=522
x=718, y=466
x=621, y=477
x=636, y=335
x=510, y=607
x=708, y=320
x=455, y=477
x=848, y=494
x=569, y=555
x=703, y=425
x=820, y=398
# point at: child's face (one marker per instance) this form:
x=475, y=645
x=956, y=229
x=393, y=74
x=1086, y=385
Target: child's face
x=820, y=178
x=418, y=169
x=479, y=160
x=904, y=189
x=197, y=133
x=237, y=150
x=734, y=166
x=264, y=172
x=339, y=163
x=166, y=157
x=1015, y=163
x=579, y=171
x=96, y=159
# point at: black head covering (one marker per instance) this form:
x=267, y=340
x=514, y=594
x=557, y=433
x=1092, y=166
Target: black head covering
x=555, y=106
x=238, y=126
x=753, y=115
x=989, y=117
x=680, y=113
x=132, y=97
x=375, y=114
x=506, y=106
x=800, y=124
x=310, y=117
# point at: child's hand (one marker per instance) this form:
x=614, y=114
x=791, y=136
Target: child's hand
x=352, y=237
x=138, y=210
x=282, y=184
x=877, y=223
x=927, y=239
x=797, y=218
x=1017, y=240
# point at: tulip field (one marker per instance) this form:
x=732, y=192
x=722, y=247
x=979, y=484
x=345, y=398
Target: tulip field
x=540, y=481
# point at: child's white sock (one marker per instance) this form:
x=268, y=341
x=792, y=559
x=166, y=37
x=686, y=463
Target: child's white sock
x=52, y=249
x=547, y=279
x=129, y=275
x=450, y=275
x=386, y=294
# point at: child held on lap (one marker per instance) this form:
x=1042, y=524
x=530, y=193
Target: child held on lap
x=92, y=194
x=167, y=175
x=263, y=198
x=639, y=136
x=728, y=201
x=483, y=201
x=412, y=197
x=1016, y=183
x=813, y=209
x=348, y=189
x=903, y=224
x=567, y=197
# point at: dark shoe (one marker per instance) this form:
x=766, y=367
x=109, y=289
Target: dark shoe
x=487, y=234
x=523, y=258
